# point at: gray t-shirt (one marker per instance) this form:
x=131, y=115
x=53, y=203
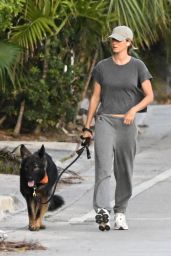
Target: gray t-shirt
x=120, y=84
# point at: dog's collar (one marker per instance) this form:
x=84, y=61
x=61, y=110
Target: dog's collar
x=44, y=180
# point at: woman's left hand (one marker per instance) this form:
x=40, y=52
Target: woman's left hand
x=129, y=117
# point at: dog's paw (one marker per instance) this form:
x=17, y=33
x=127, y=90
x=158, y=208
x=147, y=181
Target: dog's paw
x=33, y=228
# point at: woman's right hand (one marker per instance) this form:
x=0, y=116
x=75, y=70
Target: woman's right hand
x=87, y=133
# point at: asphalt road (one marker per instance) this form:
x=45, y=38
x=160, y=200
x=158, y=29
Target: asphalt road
x=72, y=230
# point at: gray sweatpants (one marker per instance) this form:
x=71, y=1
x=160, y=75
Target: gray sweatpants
x=115, y=148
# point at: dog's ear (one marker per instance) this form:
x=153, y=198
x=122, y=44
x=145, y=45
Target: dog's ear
x=41, y=151
x=24, y=151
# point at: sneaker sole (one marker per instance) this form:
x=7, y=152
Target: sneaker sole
x=102, y=219
x=120, y=228
x=107, y=227
x=103, y=227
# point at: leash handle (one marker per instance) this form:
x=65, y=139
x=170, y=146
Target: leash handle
x=85, y=141
x=88, y=153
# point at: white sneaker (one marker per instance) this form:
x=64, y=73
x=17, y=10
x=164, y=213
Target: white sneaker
x=102, y=218
x=120, y=222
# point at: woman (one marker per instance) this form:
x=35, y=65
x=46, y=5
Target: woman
x=122, y=87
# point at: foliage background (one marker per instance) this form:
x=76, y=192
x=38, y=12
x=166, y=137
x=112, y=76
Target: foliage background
x=49, y=47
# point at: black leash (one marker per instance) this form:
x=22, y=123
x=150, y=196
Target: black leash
x=85, y=145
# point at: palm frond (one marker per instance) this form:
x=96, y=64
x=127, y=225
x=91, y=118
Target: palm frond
x=38, y=25
x=92, y=10
x=144, y=17
x=9, y=53
x=29, y=34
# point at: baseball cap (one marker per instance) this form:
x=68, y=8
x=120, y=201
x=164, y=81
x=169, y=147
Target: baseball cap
x=121, y=33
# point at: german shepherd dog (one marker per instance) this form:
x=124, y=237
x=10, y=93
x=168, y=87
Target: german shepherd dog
x=38, y=174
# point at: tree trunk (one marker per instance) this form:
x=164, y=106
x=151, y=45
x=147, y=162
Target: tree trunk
x=89, y=74
x=2, y=119
x=168, y=79
x=87, y=82
x=19, y=120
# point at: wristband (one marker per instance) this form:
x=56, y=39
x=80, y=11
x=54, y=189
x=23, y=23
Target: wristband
x=87, y=130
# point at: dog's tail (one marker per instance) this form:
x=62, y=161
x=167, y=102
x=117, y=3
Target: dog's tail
x=55, y=203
